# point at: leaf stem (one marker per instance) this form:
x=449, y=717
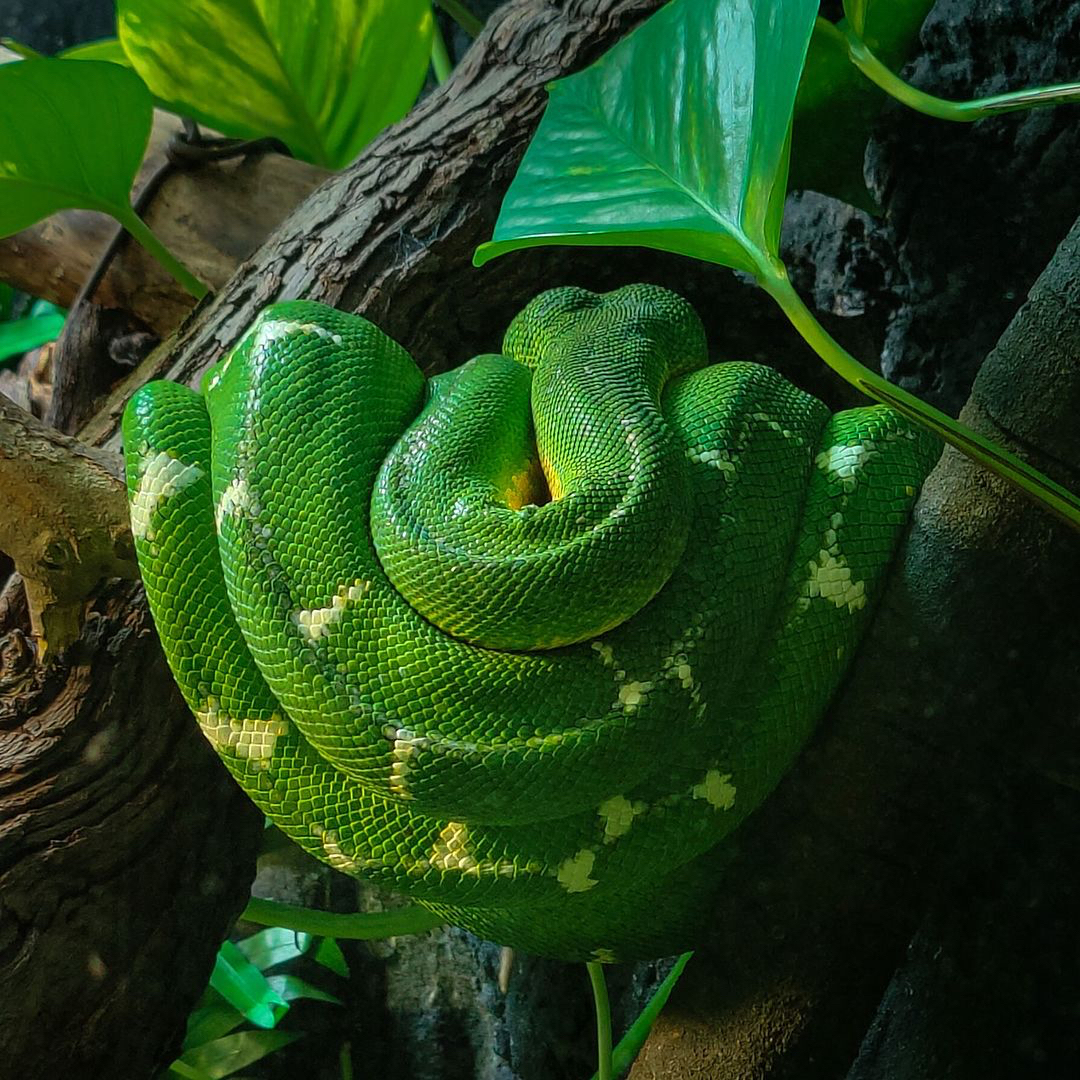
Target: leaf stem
x=25, y=51
x=440, y=58
x=964, y=111
x=360, y=927
x=1032, y=483
x=462, y=16
x=603, y=1020
x=141, y=232
x=631, y=1043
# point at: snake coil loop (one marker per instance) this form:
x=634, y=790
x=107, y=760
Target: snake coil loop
x=528, y=640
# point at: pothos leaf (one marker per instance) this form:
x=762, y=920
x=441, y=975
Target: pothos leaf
x=677, y=138
x=71, y=136
x=324, y=76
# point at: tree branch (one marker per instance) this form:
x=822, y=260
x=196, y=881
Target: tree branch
x=66, y=526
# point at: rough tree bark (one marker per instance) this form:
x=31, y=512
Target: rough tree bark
x=391, y=237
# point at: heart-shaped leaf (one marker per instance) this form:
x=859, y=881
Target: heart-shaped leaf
x=677, y=138
x=71, y=136
x=324, y=76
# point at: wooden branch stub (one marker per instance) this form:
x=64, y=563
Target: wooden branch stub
x=65, y=521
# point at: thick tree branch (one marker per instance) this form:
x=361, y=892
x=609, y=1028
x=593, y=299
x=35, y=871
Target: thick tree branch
x=66, y=521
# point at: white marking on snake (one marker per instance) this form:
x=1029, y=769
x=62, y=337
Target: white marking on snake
x=830, y=579
x=250, y=739
x=235, y=499
x=634, y=693
x=607, y=657
x=617, y=814
x=451, y=853
x=405, y=746
x=335, y=855
x=574, y=872
x=717, y=459
x=271, y=330
x=716, y=789
x=160, y=477
x=316, y=622
x=846, y=462
x=451, y=850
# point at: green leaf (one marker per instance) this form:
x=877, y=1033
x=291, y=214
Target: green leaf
x=186, y=1072
x=324, y=76
x=329, y=954
x=228, y=1055
x=677, y=138
x=244, y=987
x=71, y=136
x=837, y=105
x=210, y=1019
x=108, y=49
x=293, y=988
x=43, y=324
x=274, y=945
x=360, y=926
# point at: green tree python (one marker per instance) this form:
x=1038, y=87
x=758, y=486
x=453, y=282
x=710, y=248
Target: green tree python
x=527, y=640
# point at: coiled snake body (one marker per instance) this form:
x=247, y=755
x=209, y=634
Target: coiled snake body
x=527, y=640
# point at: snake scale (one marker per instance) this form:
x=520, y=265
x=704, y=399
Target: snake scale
x=527, y=640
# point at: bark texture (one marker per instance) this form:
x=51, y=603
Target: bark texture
x=122, y=855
